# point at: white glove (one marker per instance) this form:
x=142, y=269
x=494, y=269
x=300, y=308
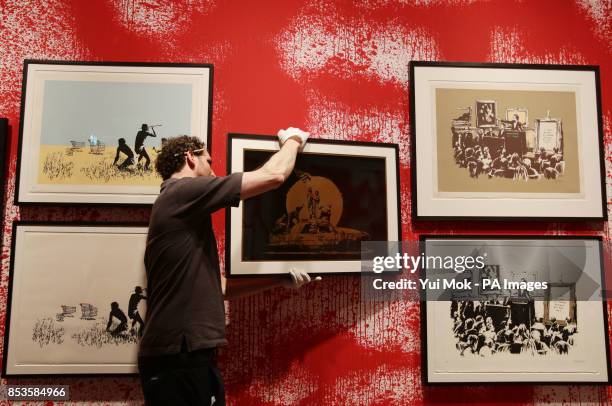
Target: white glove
x=298, y=279
x=284, y=135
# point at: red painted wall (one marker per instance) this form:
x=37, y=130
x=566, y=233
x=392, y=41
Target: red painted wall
x=340, y=70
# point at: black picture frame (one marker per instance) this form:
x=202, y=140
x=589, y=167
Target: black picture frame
x=423, y=238
x=10, y=308
x=4, y=134
x=422, y=196
x=102, y=198
x=315, y=146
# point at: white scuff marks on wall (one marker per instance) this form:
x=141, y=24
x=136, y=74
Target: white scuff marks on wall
x=333, y=119
x=600, y=11
x=158, y=18
x=293, y=387
x=374, y=4
x=507, y=46
x=34, y=29
x=347, y=48
x=400, y=386
x=388, y=324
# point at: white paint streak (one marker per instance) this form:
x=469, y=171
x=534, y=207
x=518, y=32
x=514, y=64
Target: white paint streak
x=600, y=12
x=375, y=4
x=157, y=18
x=312, y=43
x=35, y=29
x=507, y=46
x=334, y=119
x=400, y=386
x=290, y=389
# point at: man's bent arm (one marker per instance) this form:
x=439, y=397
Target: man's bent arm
x=273, y=173
x=235, y=288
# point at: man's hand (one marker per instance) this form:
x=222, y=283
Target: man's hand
x=298, y=279
x=292, y=132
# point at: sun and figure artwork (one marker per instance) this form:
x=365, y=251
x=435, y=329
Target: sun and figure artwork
x=325, y=209
x=107, y=133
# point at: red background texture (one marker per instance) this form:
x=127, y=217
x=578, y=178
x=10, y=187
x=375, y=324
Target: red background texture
x=340, y=70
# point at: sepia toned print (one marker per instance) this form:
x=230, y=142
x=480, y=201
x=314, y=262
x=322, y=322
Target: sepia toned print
x=506, y=141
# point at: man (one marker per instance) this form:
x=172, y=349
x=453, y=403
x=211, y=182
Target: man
x=185, y=315
x=141, y=136
x=117, y=313
x=129, y=160
x=135, y=298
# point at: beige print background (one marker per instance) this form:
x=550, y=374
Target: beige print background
x=562, y=105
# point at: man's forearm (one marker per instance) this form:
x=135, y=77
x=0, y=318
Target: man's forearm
x=282, y=162
x=273, y=173
x=235, y=288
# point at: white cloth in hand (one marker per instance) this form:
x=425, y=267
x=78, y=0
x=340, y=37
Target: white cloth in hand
x=299, y=278
x=284, y=135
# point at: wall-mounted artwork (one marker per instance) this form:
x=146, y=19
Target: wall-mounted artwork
x=77, y=299
x=543, y=158
x=3, y=145
x=339, y=195
x=90, y=132
x=517, y=330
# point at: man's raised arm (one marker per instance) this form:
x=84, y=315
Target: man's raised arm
x=278, y=168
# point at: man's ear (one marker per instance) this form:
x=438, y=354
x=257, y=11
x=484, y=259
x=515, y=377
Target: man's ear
x=191, y=159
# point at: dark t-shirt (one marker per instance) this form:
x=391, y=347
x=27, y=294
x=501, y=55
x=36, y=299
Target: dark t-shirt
x=185, y=300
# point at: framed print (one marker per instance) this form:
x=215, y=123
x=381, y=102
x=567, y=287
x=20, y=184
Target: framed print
x=543, y=322
x=90, y=131
x=77, y=299
x=506, y=142
x=486, y=115
x=3, y=145
x=340, y=194
x=518, y=116
x=549, y=134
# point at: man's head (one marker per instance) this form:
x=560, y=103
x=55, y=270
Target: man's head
x=121, y=141
x=144, y=127
x=183, y=154
x=138, y=289
x=114, y=305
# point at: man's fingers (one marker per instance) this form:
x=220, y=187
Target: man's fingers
x=300, y=277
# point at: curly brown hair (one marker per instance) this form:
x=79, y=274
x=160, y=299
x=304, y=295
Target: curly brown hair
x=171, y=158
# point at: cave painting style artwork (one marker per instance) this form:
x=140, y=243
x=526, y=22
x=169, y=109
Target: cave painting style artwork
x=78, y=299
x=506, y=141
x=338, y=196
x=92, y=132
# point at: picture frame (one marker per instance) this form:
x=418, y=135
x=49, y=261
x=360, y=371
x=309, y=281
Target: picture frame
x=90, y=131
x=65, y=281
x=314, y=221
x=549, y=134
x=4, y=133
x=486, y=113
x=521, y=113
x=461, y=169
x=575, y=350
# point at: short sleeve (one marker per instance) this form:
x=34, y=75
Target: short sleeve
x=206, y=194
